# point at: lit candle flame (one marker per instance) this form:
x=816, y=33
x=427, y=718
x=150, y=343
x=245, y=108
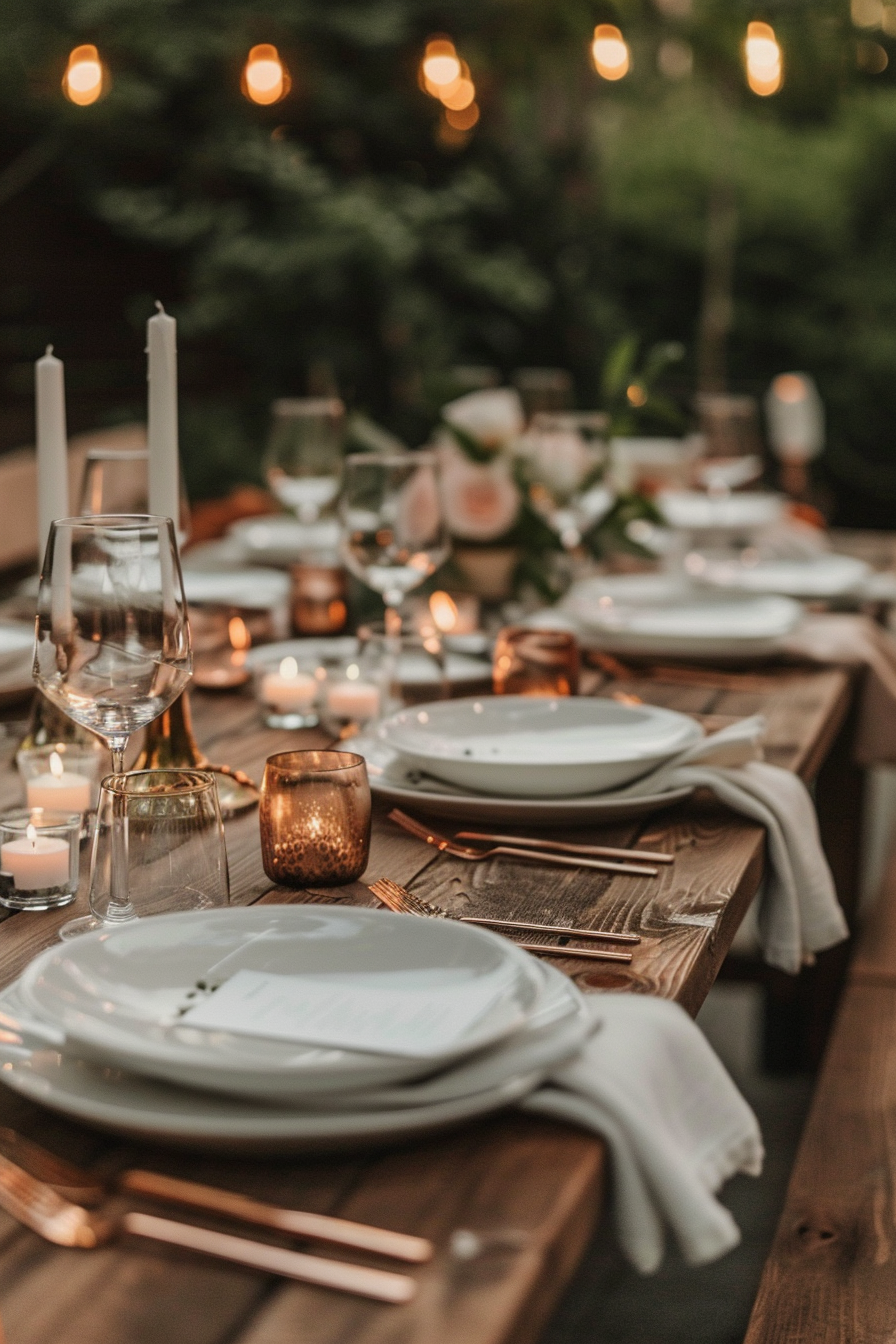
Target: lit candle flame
x=84, y=76
x=31, y=834
x=240, y=640
x=610, y=52
x=353, y=672
x=57, y=769
x=265, y=77
x=762, y=54
x=443, y=610
x=289, y=669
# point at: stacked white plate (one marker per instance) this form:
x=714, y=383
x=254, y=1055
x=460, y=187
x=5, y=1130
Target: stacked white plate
x=814, y=577
x=158, y=1029
x=661, y=615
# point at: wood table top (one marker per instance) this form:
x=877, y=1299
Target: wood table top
x=537, y=1181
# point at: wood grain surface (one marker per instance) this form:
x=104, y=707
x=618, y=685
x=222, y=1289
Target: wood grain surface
x=530, y=1189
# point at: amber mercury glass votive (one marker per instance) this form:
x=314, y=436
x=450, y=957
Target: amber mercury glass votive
x=535, y=662
x=315, y=818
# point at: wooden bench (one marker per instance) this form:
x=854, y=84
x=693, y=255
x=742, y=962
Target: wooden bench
x=830, y=1277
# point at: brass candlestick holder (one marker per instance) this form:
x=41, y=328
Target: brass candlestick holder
x=170, y=744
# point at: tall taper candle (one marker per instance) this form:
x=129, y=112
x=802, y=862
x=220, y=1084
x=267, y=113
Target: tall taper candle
x=164, y=470
x=52, y=447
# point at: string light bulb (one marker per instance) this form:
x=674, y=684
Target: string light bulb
x=610, y=52
x=85, y=79
x=445, y=77
x=763, y=59
x=265, y=78
x=441, y=65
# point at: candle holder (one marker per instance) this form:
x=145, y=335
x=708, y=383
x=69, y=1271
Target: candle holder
x=355, y=692
x=39, y=853
x=61, y=776
x=535, y=662
x=319, y=598
x=315, y=818
x=288, y=691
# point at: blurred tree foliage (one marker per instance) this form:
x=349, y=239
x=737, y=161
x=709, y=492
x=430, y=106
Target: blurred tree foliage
x=347, y=236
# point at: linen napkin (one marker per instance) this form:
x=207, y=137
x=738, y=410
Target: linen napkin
x=854, y=641
x=648, y=1082
x=798, y=912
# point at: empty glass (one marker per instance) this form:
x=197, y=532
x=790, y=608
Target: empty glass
x=305, y=452
x=315, y=818
x=116, y=480
x=158, y=846
x=112, y=643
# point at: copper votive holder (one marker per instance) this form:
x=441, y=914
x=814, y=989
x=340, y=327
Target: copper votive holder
x=535, y=662
x=319, y=605
x=315, y=818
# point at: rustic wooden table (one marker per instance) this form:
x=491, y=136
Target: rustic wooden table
x=542, y=1180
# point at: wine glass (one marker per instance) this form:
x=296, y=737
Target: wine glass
x=303, y=462
x=395, y=534
x=116, y=480
x=563, y=458
x=112, y=641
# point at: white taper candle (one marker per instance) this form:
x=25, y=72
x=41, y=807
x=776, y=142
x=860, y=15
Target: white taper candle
x=52, y=446
x=164, y=469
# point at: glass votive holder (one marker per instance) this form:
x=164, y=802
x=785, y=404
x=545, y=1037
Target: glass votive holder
x=319, y=598
x=354, y=693
x=39, y=852
x=61, y=777
x=288, y=692
x=315, y=818
x=535, y=662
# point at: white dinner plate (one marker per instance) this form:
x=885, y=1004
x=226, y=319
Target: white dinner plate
x=113, y=1099
x=818, y=576
x=396, y=781
x=118, y=996
x=693, y=511
x=415, y=667
x=529, y=746
x=658, y=616
x=280, y=539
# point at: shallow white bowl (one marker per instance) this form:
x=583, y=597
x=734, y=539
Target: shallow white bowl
x=528, y=746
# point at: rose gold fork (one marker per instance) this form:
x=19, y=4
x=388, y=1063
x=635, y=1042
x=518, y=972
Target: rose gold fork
x=511, y=851
x=404, y=902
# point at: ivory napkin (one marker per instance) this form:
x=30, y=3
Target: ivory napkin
x=648, y=1082
x=798, y=913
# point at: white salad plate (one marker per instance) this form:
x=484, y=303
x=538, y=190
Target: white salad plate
x=395, y=780
x=280, y=539
x=693, y=511
x=415, y=667
x=113, y=1099
x=118, y=997
x=528, y=746
x=818, y=576
x=657, y=616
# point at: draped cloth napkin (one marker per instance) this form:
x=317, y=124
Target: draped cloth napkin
x=648, y=1082
x=798, y=913
x=856, y=641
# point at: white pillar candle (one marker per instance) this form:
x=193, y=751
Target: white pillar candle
x=353, y=700
x=52, y=445
x=36, y=861
x=289, y=689
x=164, y=469
x=60, y=790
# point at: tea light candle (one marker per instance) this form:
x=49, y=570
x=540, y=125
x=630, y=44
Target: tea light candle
x=289, y=689
x=353, y=698
x=36, y=861
x=60, y=790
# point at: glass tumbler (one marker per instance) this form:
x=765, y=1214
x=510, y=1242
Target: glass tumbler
x=315, y=818
x=535, y=662
x=39, y=853
x=158, y=846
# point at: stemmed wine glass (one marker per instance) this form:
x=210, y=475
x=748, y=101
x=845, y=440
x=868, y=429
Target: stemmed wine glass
x=564, y=454
x=112, y=641
x=395, y=534
x=303, y=461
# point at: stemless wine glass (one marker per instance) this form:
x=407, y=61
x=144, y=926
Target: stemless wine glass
x=112, y=641
x=116, y=480
x=395, y=534
x=303, y=462
x=563, y=457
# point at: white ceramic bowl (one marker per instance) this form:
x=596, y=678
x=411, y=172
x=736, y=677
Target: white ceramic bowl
x=528, y=746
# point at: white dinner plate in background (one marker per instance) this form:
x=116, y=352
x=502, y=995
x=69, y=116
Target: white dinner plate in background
x=818, y=576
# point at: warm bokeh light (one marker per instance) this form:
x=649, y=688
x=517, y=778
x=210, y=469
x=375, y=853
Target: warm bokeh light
x=763, y=59
x=609, y=52
x=871, y=57
x=464, y=119
x=84, y=79
x=265, y=77
x=443, y=609
x=459, y=95
x=867, y=13
x=790, y=387
x=240, y=639
x=635, y=395
x=441, y=64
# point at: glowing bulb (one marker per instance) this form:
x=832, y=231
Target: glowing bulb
x=764, y=62
x=265, y=77
x=57, y=769
x=459, y=96
x=289, y=669
x=635, y=395
x=84, y=77
x=443, y=610
x=441, y=64
x=610, y=52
